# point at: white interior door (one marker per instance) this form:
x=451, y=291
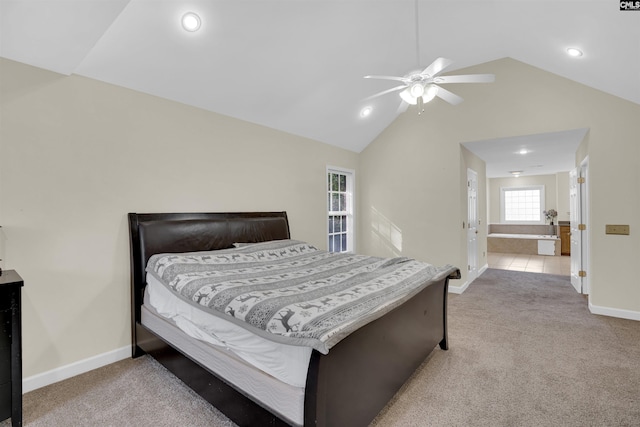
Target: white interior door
x=472, y=224
x=584, y=219
x=576, y=234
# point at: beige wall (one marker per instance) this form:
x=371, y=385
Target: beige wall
x=412, y=183
x=562, y=196
x=78, y=154
x=553, y=199
x=411, y=175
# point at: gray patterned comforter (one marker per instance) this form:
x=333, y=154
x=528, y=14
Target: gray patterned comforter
x=288, y=291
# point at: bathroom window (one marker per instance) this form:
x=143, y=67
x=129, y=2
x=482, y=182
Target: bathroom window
x=340, y=187
x=522, y=205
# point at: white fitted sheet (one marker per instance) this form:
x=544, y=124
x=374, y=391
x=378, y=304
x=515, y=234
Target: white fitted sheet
x=287, y=363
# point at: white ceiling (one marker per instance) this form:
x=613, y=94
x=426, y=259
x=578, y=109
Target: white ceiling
x=297, y=65
x=546, y=153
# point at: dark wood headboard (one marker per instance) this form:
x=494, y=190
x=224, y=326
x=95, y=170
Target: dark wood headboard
x=153, y=233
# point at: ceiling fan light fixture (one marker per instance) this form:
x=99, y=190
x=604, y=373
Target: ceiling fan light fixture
x=416, y=90
x=408, y=97
x=190, y=21
x=430, y=93
x=422, y=87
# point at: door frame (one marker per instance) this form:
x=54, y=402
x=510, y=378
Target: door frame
x=580, y=259
x=472, y=225
x=584, y=211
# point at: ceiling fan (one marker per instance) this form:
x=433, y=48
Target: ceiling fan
x=420, y=87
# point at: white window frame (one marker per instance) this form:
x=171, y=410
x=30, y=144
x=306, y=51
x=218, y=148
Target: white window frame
x=350, y=205
x=522, y=188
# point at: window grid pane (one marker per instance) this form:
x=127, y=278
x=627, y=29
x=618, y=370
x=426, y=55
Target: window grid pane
x=522, y=205
x=339, y=195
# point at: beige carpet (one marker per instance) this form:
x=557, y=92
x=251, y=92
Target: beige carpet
x=524, y=351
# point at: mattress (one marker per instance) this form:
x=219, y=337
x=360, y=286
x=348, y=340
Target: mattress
x=282, y=399
x=287, y=363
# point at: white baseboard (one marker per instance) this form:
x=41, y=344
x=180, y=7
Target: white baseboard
x=465, y=285
x=614, y=312
x=80, y=367
x=483, y=269
x=458, y=289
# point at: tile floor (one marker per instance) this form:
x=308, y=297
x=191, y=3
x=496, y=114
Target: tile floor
x=531, y=263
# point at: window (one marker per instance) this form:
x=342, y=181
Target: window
x=522, y=204
x=340, y=210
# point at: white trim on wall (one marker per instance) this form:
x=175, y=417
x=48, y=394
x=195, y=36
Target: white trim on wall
x=465, y=285
x=458, y=289
x=71, y=370
x=614, y=312
x=482, y=270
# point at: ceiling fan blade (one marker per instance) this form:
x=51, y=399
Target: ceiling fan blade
x=384, y=92
x=402, y=107
x=437, y=66
x=468, y=78
x=400, y=79
x=449, y=96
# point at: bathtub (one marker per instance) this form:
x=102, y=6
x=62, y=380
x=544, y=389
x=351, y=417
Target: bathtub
x=524, y=236
x=532, y=244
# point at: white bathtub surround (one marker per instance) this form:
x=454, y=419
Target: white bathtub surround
x=531, y=244
x=537, y=229
x=532, y=239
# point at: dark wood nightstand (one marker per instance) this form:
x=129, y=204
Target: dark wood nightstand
x=11, y=347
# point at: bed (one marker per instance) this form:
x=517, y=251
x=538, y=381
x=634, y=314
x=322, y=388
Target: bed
x=348, y=385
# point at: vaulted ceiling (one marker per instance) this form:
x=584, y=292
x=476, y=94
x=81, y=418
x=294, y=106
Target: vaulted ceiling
x=298, y=65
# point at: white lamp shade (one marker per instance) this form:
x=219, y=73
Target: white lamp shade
x=407, y=97
x=417, y=90
x=430, y=93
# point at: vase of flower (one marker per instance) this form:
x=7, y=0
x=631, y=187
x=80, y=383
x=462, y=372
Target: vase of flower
x=550, y=215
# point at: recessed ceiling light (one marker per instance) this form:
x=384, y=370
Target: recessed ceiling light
x=366, y=111
x=523, y=151
x=575, y=52
x=190, y=21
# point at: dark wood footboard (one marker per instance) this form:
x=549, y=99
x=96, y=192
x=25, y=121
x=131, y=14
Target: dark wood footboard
x=348, y=386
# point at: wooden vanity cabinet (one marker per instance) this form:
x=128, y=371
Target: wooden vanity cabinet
x=565, y=239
